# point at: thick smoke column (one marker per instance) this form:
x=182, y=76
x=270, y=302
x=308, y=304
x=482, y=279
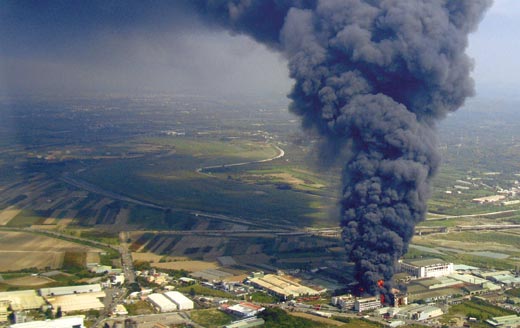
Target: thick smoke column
x=372, y=76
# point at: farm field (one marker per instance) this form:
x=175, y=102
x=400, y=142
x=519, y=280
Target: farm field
x=7, y=215
x=190, y=266
x=173, y=181
x=28, y=281
x=488, y=249
x=20, y=250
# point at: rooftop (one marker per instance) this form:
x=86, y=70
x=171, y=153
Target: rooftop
x=283, y=285
x=22, y=299
x=424, y=262
x=64, y=322
x=77, y=302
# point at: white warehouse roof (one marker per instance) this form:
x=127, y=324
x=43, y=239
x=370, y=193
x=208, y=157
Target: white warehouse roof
x=56, y=291
x=182, y=302
x=162, y=303
x=77, y=302
x=22, y=299
x=64, y=322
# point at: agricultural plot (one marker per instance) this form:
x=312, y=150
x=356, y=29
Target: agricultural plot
x=191, y=266
x=492, y=249
x=51, y=204
x=263, y=249
x=8, y=214
x=20, y=250
x=173, y=181
x=147, y=257
x=29, y=281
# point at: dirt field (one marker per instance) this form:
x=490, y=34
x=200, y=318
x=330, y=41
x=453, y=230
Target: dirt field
x=20, y=250
x=191, y=266
x=14, y=261
x=93, y=257
x=28, y=281
x=146, y=257
x=7, y=214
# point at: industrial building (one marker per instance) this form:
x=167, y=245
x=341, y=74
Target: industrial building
x=283, y=286
x=77, y=302
x=22, y=300
x=426, y=268
x=161, y=303
x=244, y=309
x=76, y=321
x=344, y=302
x=506, y=279
x=181, y=301
x=4, y=305
x=117, y=279
x=67, y=290
x=367, y=304
x=418, y=312
x=505, y=321
x=246, y=323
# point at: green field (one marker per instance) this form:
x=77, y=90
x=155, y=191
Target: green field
x=478, y=309
x=210, y=318
x=172, y=181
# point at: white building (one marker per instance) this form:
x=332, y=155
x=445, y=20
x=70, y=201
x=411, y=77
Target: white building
x=182, y=302
x=244, y=309
x=426, y=268
x=67, y=290
x=117, y=279
x=64, y=322
x=77, y=302
x=419, y=312
x=367, y=304
x=161, y=303
x=345, y=302
x=22, y=300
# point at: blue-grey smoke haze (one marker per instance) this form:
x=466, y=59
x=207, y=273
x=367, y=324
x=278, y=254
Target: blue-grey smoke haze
x=76, y=47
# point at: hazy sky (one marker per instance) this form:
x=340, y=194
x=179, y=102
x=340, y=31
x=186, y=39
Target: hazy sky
x=64, y=47
x=496, y=50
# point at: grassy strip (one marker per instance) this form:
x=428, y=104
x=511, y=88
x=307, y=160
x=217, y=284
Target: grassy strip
x=210, y=318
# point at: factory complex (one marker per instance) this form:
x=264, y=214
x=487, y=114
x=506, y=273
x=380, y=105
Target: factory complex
x=283, y=286
x=431, y=284
x=425, y=268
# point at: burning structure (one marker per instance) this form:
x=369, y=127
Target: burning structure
x=372, y=77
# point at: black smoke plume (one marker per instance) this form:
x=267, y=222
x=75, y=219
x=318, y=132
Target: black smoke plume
x=372, y=76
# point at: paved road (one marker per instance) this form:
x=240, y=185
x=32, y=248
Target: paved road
x=281, y=153
x=471, y=215
x=126, y=258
